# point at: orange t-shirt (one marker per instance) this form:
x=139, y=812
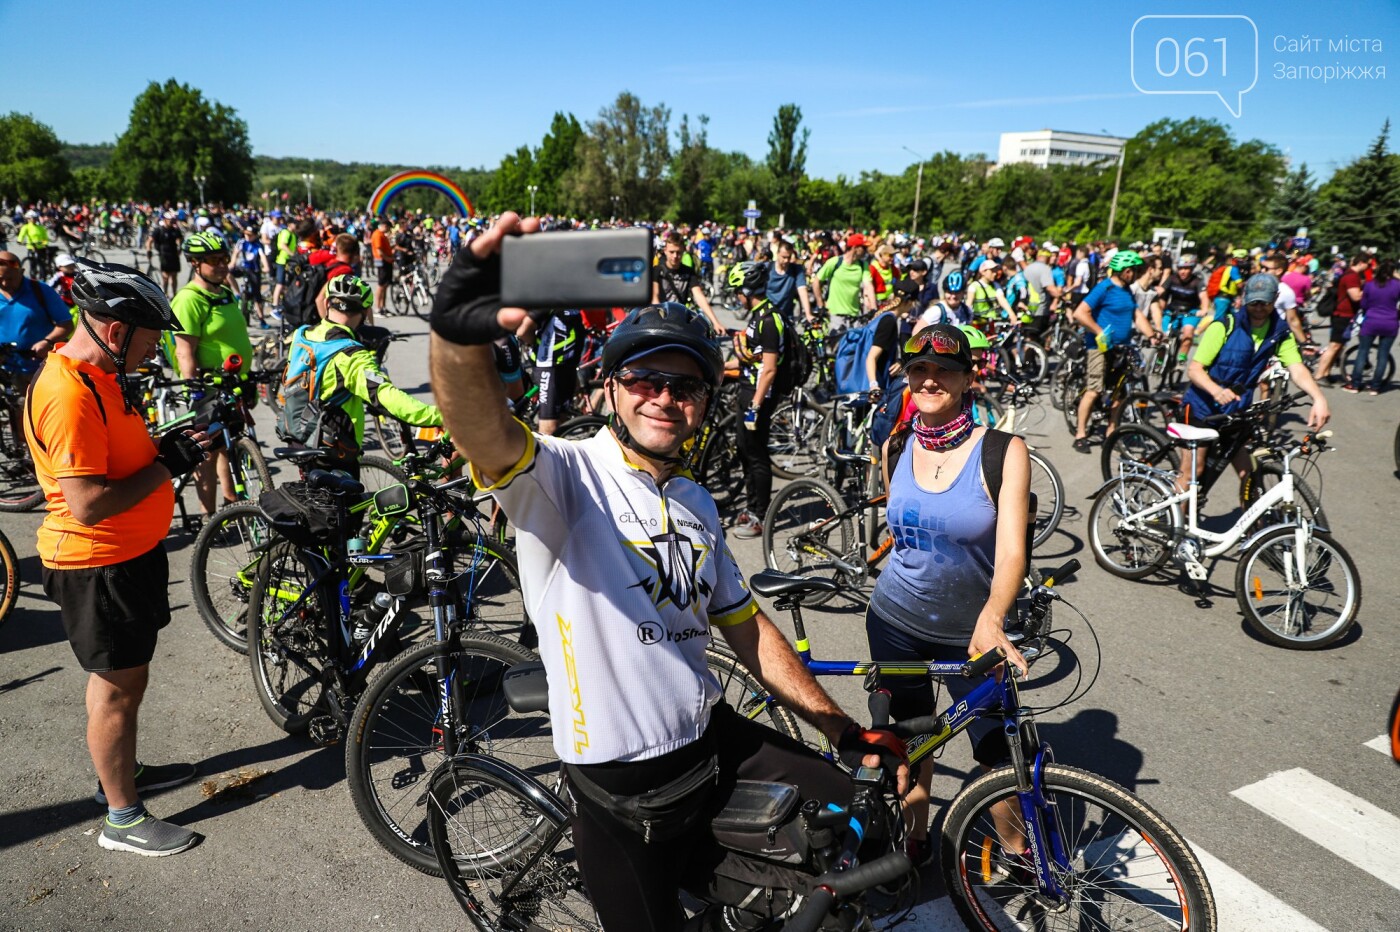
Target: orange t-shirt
x=382, y=247
x=76, y=425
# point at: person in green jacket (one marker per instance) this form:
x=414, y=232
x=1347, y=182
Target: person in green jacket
x=354, y=374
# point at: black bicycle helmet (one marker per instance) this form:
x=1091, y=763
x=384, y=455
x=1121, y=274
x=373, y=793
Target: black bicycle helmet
x=749, y=278
x=119, y=292
x=667, y=326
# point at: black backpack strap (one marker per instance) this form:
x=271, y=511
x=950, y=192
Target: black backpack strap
x=994, y=447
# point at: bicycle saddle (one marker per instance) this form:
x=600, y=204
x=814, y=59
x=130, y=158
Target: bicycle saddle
x=771, y=584
x=526, y=687
x=1186, y=433
x=300, y=454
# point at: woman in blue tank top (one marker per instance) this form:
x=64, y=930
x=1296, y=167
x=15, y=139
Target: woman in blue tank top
x=959, y=558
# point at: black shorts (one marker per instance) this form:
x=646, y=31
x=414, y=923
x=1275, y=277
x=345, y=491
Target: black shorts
x=112, y=613
x=383, y=273
x=170, y=266
x=1339, y=328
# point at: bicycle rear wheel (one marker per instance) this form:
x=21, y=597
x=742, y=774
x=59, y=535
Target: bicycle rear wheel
x=581, y=427
x=1138, y=443
x=720, y=468
x=1125, y=866
x=795, y=439
x=250, y=466
x=493, y=828
x=1265, y=478
x=289, y=652
x=19, y=486
x=223, y=569
x=804, y=532
x=1137, y=552
x=396, y=737
x=1284, y=610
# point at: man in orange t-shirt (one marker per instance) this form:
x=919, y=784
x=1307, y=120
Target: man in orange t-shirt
x=109, y=497
x=382, y=246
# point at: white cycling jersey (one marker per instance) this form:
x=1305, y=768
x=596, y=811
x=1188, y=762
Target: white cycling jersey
x=622, y=580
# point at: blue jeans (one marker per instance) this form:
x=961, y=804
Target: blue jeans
x=1363, y=352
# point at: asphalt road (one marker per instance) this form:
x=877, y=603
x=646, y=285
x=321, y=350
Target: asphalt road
x=1187, y=709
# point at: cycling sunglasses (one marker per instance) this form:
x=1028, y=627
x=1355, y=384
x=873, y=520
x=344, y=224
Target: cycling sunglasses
x=942, y=344
x=650, y=383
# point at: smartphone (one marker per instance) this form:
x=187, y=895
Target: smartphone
x=598, y=268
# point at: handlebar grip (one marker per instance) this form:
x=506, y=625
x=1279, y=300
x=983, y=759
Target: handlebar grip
x=339, y=484
x=813, y=912
x=913, y=727
x=882, y=870
x=879, y=708
x=1063, y=574
x=983, y=664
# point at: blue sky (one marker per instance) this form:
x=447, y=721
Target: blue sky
x=461, y=84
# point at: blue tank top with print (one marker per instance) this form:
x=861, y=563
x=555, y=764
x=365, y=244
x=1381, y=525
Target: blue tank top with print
x=940, y=572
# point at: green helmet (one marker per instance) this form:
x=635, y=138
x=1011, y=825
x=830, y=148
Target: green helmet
x=976, y=339
x=1124, y=259
x=750, y=278
x=349, y=293
x=206, y=243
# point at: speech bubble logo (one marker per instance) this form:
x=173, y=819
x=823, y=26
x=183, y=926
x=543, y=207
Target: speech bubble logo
x=1184, y=54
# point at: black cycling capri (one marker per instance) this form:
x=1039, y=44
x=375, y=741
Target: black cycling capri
x=112, y=613
x=557, y=371
x=635, y=885
x=1339, y=327
x=911, y=697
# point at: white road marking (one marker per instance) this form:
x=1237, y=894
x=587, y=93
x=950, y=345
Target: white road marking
x=1346, y=825
x=1380, y=743
x=1241, y=905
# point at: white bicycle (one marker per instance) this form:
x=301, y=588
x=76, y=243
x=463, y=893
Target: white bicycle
x=1294, y=583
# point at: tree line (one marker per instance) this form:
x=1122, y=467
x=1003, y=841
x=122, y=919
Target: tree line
x=634, y=160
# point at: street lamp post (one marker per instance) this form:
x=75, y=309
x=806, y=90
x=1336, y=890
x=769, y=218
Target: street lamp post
x=199, y=180
x=615, y=199
x=918, y=189
x=308, y=178
x=1117, y=183
x=532, y=188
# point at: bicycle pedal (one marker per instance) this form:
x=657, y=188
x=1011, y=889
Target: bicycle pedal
x=1196, y=571
x=324, y=731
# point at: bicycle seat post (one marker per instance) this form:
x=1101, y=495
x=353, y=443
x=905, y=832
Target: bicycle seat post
x=793, y=604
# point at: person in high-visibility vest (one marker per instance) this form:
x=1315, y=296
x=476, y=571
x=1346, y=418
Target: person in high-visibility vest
x=284, y=246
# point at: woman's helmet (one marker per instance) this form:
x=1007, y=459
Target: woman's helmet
x=349, y=293
x=660, y=327
x=954, y=282
x=749, y=278
x=204, y=243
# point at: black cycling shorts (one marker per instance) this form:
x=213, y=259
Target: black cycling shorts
x=384, y=272
x=112, y=613
x=1339, y=328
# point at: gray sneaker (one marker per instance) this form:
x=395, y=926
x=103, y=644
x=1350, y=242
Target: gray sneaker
x=147, y=836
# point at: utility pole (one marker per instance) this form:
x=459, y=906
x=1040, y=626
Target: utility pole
x=199, y=180
x=308, y=179
x=918, y=189
x=1117, y=183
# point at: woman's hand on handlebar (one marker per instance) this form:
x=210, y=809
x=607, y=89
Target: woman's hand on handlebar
x=988, y=636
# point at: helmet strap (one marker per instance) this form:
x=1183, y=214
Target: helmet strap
x=118, y=360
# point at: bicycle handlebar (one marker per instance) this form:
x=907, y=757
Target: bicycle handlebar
x=834, y=884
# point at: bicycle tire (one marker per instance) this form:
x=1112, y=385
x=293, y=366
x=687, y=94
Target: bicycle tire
x=9, y=577
x=1394, y=728
x=1142, y=408
x=19, y=486
x=1130, y=554
x=378, y=473
x=1397, y=449
x=1265, y=477
x=386, y=435
x=1049, y=490
x=747, y=696
x=987, y=411
x=1348, y=364
x=395, y=739
x=1035, y=364
x=1273, y=553
x=1140, y=443
x=252, y=465
x=794, y=445
x=423, y=306
x=720, y=468
x=799, y=526
x=581, y=427
x=289, y=656
x=497, y=601
x=487, y=823
x=1177, y=897
x=223, y=567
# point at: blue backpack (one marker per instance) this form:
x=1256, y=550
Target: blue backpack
x=851, y=351
x=306, y=418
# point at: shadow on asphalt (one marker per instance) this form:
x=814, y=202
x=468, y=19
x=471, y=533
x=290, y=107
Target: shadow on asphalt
x=26, y=680
x=32, y=627
x=1059, y=546
x=1351, y=637
x=1089, y=740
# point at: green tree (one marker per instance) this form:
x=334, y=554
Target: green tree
x=553, y=160
x=1359, y=205
x=624, y=155
x=1294, y=204
x=31, y=166
x=691, y=170
x=507, y=190
x=736, y=180
x=787, y=156
x=174, y=134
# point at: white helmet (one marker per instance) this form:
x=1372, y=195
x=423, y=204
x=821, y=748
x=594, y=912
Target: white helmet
x=31, y=215
x=63, y=260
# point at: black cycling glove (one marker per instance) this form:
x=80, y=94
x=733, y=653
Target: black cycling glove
x=468, y=298
x=179, y=452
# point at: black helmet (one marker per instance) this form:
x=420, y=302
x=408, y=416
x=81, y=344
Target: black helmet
x=749, y=278
x=660, y=327
x=118, y=292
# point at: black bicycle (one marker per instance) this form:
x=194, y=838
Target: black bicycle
x=19, y=486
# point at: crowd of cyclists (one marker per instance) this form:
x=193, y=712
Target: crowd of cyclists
x=597, y=425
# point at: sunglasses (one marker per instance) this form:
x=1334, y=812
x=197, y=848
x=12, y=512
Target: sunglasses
x=932, y=340
x=649, y=384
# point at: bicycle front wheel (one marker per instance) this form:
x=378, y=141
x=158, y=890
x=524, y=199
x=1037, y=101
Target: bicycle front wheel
x=807, y=531
x=9, y=578
x=19, y=486
x=1050, y=498
x=251, y=474
x=795, y=439
x=1302, y=597
x=1122, y=866
x=494, y=830
x=223, y=568
x=288, y=651
x=396, y=737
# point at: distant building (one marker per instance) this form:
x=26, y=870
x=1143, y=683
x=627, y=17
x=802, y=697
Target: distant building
x=1046, y=147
